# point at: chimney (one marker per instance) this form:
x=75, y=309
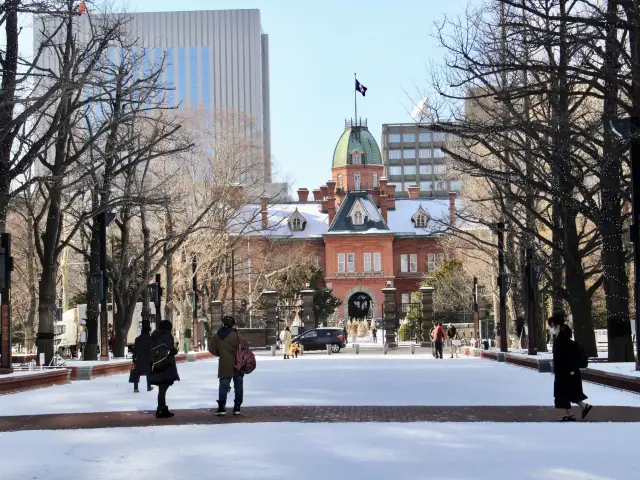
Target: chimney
x=414, y=191
x=391, y=193
x=324, y=206
x=303, y=195
x=317, y=195
x=383, y=206
x=264, y=210
x=331, y=188
x=452, y=207
x=331, y=207
x=383, y=185
x=375, y=196
x=324, y=189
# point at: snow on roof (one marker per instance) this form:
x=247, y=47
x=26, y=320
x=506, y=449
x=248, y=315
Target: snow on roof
x=399, y=220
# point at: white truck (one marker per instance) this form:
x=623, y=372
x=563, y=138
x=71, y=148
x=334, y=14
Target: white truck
x=70, y=332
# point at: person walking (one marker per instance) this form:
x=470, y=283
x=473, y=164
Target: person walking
x=164, y=371
x=374, y=332
x=451, y=336
x=567, y=385
x=286, y=342
x=439, y=335
x=142, y=357
x=224, y=345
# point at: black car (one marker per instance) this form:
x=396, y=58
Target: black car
x=319, y=338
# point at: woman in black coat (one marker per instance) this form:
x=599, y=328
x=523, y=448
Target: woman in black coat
x=162, y=340
x=567, y=387
x=142, y=357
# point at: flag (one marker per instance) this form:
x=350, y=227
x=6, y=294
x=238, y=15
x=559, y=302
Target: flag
x=360, y=88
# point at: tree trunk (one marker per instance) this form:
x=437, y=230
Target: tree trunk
x=31, y=327
x=93, y=294
x=168, y=306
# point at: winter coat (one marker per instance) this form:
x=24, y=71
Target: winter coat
x=567, y=386
x=224, y=346
x=170, y=374
x=142, y=354
x=451, y=332
x=286, y=341
x=438, y=335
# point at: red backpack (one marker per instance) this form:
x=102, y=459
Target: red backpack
x=245, y=359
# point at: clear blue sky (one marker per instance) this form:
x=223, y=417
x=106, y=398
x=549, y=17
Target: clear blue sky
x=315, y=48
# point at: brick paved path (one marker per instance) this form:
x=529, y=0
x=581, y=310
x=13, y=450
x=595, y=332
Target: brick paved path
x=311, y=414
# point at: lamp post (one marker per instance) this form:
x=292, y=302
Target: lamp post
x=629, y=129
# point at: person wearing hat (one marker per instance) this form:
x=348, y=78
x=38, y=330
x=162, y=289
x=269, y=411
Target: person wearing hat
x=224, y=345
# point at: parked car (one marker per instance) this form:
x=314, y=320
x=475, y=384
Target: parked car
x=319, y=338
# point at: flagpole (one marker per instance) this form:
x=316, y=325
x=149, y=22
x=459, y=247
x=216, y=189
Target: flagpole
x=355, y=97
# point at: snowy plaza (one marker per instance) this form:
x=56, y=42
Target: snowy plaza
x=448, y=450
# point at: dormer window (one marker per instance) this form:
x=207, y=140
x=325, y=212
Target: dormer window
x=356, y=158
x=358, y=218
x=420, y=219
x=297, y=222
x=358, y=214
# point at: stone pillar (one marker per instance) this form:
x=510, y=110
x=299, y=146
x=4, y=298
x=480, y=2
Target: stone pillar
x=308, y=320
x=427, y=314
x=390, y=315
x=216, y=316
x=482, y=316
x=270, y=297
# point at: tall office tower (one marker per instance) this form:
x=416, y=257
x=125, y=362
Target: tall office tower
x=215, y=59
x=412, y=157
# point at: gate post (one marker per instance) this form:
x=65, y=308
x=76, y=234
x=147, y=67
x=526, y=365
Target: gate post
x=271, y=316
x=482, y=317
x=308, y=319
x=216, y=315
x=427, y=314
x=390, y=315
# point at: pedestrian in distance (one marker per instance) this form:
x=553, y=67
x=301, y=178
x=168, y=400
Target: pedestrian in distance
x=285, y=337
x=374, y=332
x=164, y=371
x=568, y=358
x=439, y=335
x=142, y=357
x=224, y=345
x=295, y=350
x=451, y=335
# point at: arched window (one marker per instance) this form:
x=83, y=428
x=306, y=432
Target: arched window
x=421, y=220
x=358, y=219
x=375, y=180
x=339, y=180
x=356, y=159
x=356, y=180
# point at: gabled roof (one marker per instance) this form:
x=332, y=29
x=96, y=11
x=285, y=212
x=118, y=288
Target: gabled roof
x=373, y=222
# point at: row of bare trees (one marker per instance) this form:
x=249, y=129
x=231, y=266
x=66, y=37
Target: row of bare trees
x=527, y=90
x=85, y=129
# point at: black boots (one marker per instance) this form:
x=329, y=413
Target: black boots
x=236, y=409
x=163, y=412
x=222, y=411
x=149, y=388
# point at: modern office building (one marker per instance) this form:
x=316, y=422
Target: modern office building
x=215, y=59
x=412, y=156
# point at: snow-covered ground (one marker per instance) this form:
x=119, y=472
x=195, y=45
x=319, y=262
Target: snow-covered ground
x=421, y=451
x=321, y=380
x=627, y=368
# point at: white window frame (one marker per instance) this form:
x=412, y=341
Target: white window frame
x=339, y=180
x=408, y=137
x=375, y=180
x=421, y=220
x=351, y=262
x=404, y=263
x=393, y=136
x=431, y=262
x=413, y=263
x=406, y=298
x=395, y=170
x=441, y=186
x=424, y=137
x=409, y=153
x=356, y=180
x=341, y=263
x=356, y=159
x=425, y=153
x=439, y=169
x=409, y=169
x=437, y=153
x=395, y=154
x=358, y=218
x=426, y=169
x=367, y=262
x=377, y=262
x=296, y=224
x=439, y=137
x=426, y=186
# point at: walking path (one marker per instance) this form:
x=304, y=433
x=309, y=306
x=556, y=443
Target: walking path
x=314, y=414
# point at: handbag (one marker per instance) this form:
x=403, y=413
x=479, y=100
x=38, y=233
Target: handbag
x=133, y=375
x=160, y=358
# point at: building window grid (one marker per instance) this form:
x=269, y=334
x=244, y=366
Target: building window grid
x=341, y=263
x=351, y=262
x=394, y=154
x=409, y=138
x=358, y=219
x=404, y=263
x=425, y=153
x=377, y=262
x=426, y=169
x=433, y=261
x=367, y=262
x=406, y=298
x=426, y=186
x=408, y=153
x=356, y=180
x=375, y=180
x=409, y=169
x=395, y=170
x=424, y=137
x=339, y=180
x=413, y=263
x=394, y=138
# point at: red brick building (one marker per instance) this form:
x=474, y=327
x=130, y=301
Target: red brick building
x=360, y=234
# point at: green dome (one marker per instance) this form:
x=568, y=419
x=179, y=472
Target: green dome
x=356, y=138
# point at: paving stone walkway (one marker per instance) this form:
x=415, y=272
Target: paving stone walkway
x=312, y=414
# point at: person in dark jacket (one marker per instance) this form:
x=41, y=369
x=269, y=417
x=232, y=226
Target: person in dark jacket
x=142, y=356
x=567, y=387
x=162, y=339
x=451, y=335
x=224, y=346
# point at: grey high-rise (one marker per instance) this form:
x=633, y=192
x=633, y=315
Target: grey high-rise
x=412, y=157
x=215, y=59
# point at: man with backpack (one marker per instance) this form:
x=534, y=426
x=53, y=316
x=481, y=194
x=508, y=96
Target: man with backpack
x=225, y=345
x=568, y=359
